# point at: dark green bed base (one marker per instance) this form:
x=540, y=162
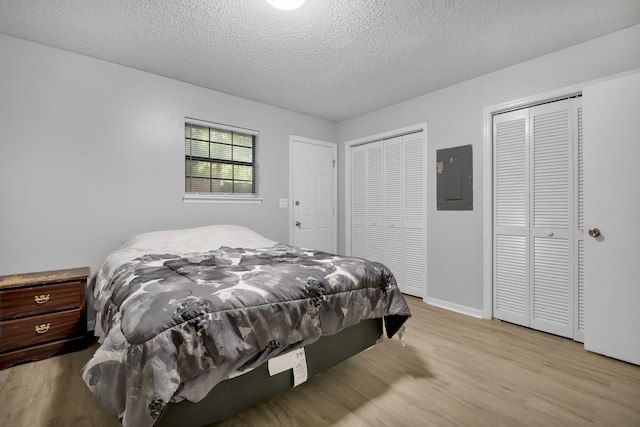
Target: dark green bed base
x=237, y=394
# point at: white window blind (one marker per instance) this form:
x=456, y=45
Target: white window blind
x=220, y=162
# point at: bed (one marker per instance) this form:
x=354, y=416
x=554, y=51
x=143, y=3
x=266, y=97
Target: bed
x=188, y=321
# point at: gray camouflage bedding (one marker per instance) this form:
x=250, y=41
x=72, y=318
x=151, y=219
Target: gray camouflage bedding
x=177, y=320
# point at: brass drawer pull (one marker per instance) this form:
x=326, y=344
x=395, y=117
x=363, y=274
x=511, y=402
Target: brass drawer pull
x=41, y=329
x=41, y=299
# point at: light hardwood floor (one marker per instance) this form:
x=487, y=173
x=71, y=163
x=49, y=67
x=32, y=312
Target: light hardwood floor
x=455, y=371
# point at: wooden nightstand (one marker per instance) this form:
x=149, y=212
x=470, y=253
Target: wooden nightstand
x=42, y=314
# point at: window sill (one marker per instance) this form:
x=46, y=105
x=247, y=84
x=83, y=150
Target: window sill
x=215, y=198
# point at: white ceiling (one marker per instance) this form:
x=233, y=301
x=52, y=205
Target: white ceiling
x=333, y=59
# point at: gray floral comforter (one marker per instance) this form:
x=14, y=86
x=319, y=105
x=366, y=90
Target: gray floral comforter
x=176, y=325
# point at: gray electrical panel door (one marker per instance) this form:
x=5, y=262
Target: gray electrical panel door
x=455, y=178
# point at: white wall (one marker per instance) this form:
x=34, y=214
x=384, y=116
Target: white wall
x=454, y=117
x=74, y=132
x=92, y=153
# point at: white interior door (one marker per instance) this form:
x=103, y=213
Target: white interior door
x=314, y=194
x=611, y=204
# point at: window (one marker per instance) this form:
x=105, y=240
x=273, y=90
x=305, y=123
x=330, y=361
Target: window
x=220, y=162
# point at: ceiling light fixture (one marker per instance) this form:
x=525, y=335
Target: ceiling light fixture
x=286, y=4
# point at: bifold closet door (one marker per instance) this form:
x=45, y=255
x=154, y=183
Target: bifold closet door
x=393, y=208
x=534, y=217
x=404, y=212
x=578, y=237
x=552, y=221
x=375, y=201
x=414, y=214
x=511, y=217
x=388, y=207
x=367, y=210
x=359, y=201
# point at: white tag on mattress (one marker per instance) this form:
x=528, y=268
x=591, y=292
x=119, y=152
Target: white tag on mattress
x=300, y=373
x=295, y=360
x=280, y=363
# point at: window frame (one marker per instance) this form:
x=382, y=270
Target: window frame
x=211, y=197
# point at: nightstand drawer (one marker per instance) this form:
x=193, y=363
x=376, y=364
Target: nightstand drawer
x=29, y=301
x=39, y=329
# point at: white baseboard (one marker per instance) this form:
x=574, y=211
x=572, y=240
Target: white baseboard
x=462, y=309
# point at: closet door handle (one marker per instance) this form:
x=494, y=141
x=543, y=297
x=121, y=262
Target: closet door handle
x=594, y=232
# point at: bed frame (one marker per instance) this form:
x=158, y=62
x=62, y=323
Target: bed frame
x=237, y=394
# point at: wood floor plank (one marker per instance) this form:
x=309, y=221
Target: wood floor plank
x=455, y=371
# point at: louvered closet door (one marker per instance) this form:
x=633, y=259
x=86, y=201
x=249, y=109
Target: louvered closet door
x=393, y=181
x=388, y=213
x=375, y=200
x=367, y=209
x=414, y=214
x=511, y=217
x=551, y=136
x=359, y=201
x=578, y=320
x=538, y=241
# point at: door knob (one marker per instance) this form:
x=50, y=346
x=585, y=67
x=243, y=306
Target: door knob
x=594, y=232
x=298, y=224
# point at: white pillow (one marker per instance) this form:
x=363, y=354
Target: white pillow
x=200, y=239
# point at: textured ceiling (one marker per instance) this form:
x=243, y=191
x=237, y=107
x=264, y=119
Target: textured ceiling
x=333, y=59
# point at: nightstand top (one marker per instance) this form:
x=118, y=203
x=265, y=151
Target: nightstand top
x=43, y=277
